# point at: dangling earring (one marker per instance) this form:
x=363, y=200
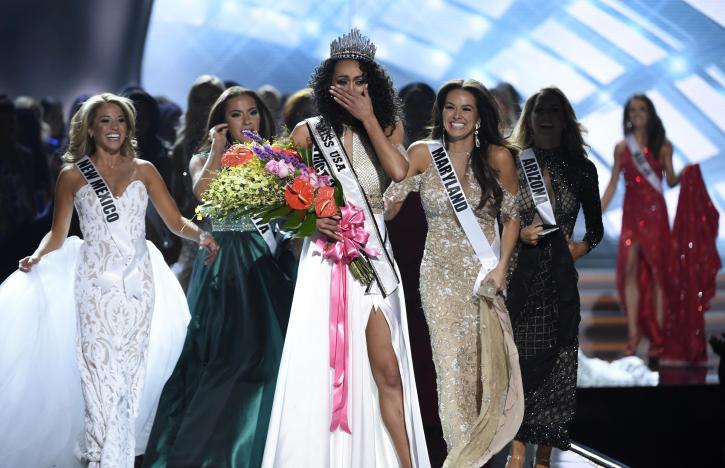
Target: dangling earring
x=629, y=125
x=443, y=137
x=478, y=143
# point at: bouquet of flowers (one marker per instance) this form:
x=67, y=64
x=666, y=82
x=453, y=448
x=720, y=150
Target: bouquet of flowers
x=273, y=179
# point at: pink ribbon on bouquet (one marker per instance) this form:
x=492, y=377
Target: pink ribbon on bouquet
x=354, y=237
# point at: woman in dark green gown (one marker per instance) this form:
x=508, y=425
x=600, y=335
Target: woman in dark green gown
x=215, y=408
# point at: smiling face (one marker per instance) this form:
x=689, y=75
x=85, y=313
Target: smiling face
x=547, y=121
x=241, y=113
x=638, y=114
x=109, y=128
x=348, y=74
x=460, y=114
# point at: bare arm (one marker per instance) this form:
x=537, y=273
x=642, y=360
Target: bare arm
x=614, y=179
x=169, y=212
x=502, y=161
x=69, y=181
x=419, y=160
x=388, y=143
x=204, y=171
x=666, y=158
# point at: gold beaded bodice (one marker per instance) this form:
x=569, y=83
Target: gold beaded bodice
x=369, y=171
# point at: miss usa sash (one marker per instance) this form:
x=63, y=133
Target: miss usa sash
x=329, y=158
x=537, y=187
x=642, y=164
x=485, y=253
x=123, y=269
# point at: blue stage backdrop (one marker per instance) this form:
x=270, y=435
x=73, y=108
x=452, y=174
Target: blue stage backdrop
x=597, y=52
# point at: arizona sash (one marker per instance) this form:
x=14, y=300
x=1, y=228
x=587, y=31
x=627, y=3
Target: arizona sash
x=485, y=253
x=123, y=270
x=641, y=163
x=537, y=187
x=329, y=158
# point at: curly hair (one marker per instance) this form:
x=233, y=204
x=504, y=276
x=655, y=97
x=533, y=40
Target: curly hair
x=80, y=141
x=386, y=105
x=267, y=128
x=488, y=134
x=655, y=130
x=572, y=138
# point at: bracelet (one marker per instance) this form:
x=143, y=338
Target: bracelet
x=203, y=235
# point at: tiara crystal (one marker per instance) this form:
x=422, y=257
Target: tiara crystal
x=352, y=46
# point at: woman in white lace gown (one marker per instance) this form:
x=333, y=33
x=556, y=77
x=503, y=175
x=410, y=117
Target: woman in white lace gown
x=120, y=285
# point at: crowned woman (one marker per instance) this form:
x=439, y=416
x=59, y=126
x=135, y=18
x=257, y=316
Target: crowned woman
x=346, y=393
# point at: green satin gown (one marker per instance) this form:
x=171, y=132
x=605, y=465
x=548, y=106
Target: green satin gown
x=215, y=407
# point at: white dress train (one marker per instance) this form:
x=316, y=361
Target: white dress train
x=41, y=397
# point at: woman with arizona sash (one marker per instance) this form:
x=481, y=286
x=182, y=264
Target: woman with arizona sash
x=556, y=179
x=215, y=407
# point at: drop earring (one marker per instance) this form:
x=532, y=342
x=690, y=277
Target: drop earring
x=629, y=125
x=478, y=143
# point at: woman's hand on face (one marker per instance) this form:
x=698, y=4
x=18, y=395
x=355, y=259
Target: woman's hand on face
x=530, y=234
x=207, y=241
x=26, y=264
x=329, y=227
x=218, y=138
x=358, y=105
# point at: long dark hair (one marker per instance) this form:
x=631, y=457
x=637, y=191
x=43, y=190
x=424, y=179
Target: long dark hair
x=655, y=130
x=488, y=134
x=386, y=105
x=267, y=129
x=572, y=138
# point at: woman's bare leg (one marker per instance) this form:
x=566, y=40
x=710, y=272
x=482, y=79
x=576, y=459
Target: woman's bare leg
x=631, y=297
x=384, y=365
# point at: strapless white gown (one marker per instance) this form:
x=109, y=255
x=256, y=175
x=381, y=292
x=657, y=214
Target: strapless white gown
x=67, y=336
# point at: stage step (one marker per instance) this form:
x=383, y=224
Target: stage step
x=603, y=328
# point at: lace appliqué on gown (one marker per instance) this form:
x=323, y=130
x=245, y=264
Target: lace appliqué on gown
x=113, y=327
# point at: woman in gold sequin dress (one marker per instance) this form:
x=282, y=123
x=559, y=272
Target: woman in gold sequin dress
x=479, y=384
x=357, y=102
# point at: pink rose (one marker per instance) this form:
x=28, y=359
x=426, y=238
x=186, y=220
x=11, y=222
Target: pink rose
x=279, y=168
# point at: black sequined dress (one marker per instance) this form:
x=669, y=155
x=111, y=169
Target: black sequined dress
x=543, y=299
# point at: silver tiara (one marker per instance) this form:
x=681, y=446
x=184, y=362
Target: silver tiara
x=352, y=46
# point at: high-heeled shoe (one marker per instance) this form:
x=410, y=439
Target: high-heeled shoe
x=518, y=459
x=632, y=342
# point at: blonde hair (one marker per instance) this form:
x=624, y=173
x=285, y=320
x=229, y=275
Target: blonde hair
x=80, y=141
x=572, y=137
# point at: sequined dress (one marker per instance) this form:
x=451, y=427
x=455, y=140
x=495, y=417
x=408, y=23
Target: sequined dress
x=299, y=429
x=644, y=223
x=543, y=298
x=460, y=342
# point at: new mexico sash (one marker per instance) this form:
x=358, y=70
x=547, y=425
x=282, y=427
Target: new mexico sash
x=123, y=271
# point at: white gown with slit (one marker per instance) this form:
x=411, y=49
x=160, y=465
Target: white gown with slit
x=299, y=429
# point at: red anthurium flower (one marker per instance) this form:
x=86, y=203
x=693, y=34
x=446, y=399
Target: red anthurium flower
x=299, y=194
x=236, y=155
x=325, y=205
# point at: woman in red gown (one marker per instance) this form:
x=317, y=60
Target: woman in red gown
x=645, y=239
